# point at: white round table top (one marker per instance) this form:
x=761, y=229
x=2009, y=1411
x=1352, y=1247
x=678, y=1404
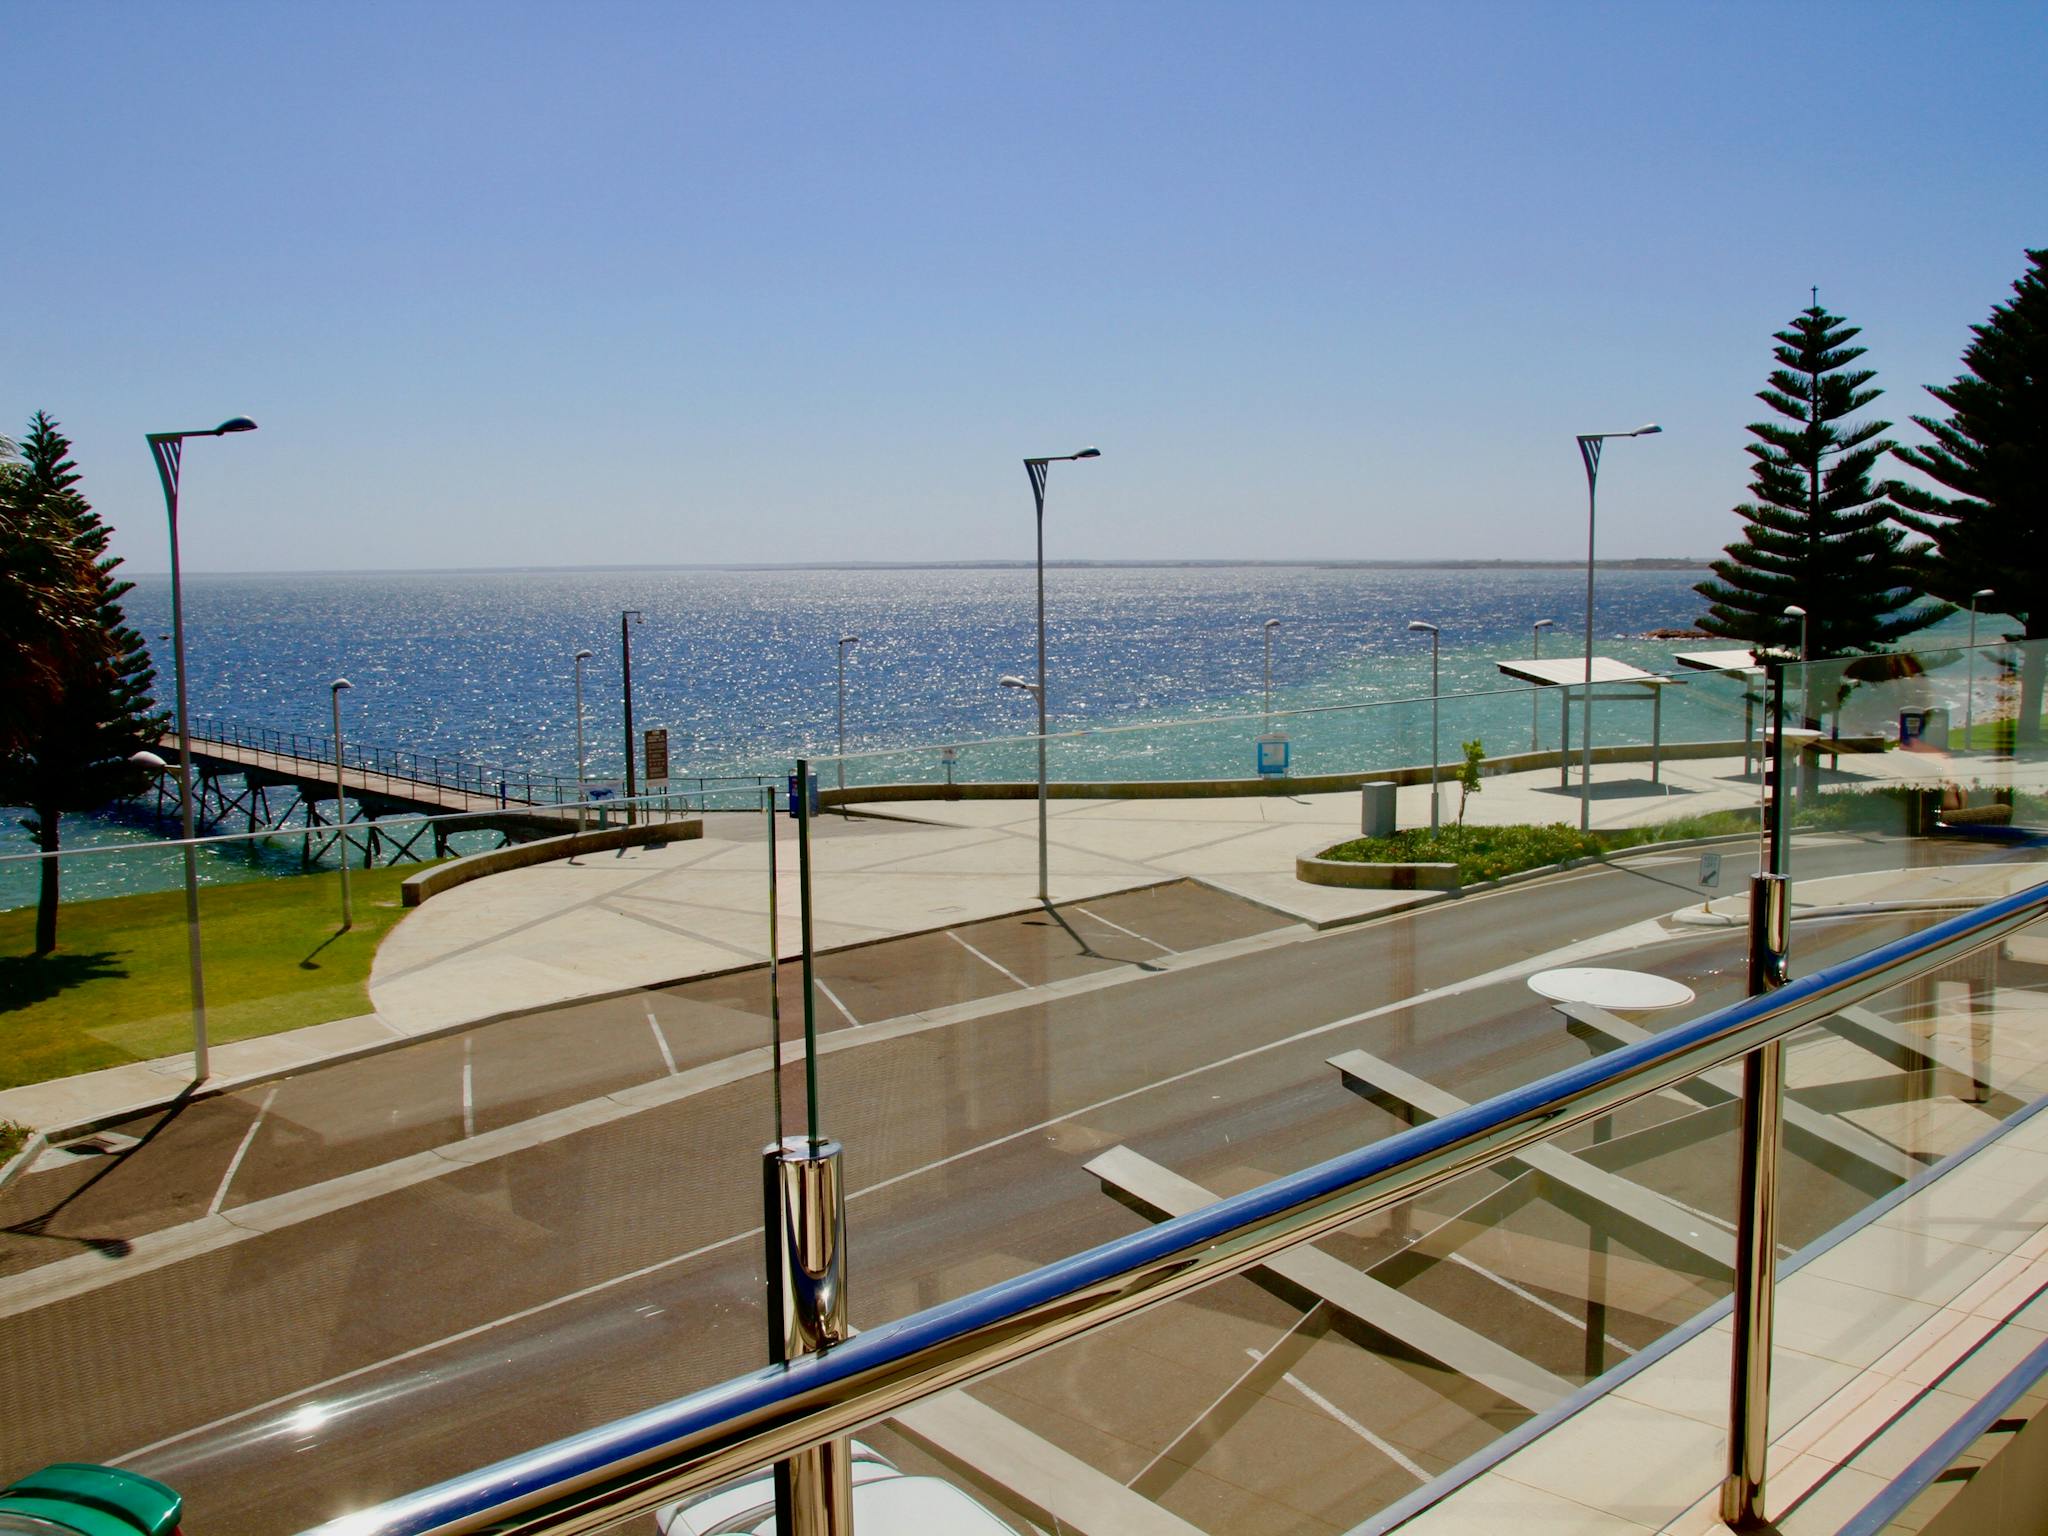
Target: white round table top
x=1617, y=991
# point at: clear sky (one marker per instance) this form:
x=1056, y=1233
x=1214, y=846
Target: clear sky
x=601, y=283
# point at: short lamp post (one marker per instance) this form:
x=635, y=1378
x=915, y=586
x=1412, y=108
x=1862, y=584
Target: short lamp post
x=336, y=689
x=1536, y=703
x=1037, y=691
x=1420, y=627
x=1036, y=469
x=1970, y=688
x=844, y=642
x=168, y=448
x=1271, y=625
x=627, y=620
x=1590, y=444
x=582, y=767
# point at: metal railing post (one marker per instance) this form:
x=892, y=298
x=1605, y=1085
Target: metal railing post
x=1756, y=1230
x=805, y=1214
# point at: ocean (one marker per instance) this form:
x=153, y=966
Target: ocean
x=740, y=666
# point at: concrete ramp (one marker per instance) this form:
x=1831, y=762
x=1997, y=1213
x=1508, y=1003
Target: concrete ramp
x=1822, y=1137
x=1059, y=1491
x=1138, y=1181
x=1642, y=1218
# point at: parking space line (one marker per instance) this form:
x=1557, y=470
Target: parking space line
x=234, y=1164
x=667, y=1056
x=833, y=998
x=1392, y=1452
x=985, y=960
x=468, y=1089
x=1097, y=917
x=1536, y=1301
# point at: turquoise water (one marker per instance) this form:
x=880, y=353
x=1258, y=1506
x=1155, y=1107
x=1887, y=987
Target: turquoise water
x=740, y=667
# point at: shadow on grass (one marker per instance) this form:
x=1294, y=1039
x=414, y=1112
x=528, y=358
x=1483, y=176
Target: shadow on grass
x=26, y=980
x=312, y=960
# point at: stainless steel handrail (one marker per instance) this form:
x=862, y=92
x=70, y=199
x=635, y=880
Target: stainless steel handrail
x=593, y=1480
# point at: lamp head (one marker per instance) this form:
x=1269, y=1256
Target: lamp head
x=1545, y=624
x=1087, y=453
x=1418, y=626
x=1272, y=623
x=1647, y=429
x=234, y=424
x=1011, y=680
x=583, y=655
x=147, y=760
x=339, y=684
x=1981, y=592
x=1794, y=611
x=849, y=639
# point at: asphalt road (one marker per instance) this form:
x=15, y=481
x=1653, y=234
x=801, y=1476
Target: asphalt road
x=357, y=1349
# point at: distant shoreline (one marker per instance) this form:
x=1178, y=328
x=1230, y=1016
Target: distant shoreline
x=1650, y=563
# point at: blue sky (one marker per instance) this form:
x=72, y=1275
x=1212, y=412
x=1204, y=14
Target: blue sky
x=596, y=284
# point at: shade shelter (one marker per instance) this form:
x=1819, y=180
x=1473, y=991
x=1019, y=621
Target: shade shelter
x=1613, y=682
x=1745, y=662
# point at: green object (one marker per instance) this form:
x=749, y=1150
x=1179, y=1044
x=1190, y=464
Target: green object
x=94, y=1501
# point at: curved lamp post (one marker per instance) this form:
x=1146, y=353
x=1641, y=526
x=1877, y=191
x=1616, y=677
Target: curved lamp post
x=168, y=449
x=1421, y=627
x=337, y=688
x=1036, y=469
x=1970, y=689
x=1590, y=444
x=844, y=642
x=1535, y=702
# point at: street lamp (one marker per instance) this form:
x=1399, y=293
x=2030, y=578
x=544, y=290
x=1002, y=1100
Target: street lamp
x=1970, y=692
x=1036, y=469
x=582, y=772
x=1271, y=625
x=844, y=642
x=627, y=620
x=168, y=448
x=1535, y=702
x=1590, y=444
x=1794, y=611
x=341, y=805
x=1418, y=627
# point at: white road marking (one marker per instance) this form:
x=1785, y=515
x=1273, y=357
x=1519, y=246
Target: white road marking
x=1534, y=1300
x=1393, y=1453
x=833, y=998
x=1097, y=917
x=661, y=1040
x=414, y=1353
x=468, y=1090
x=985, y=960
x=220, y=1195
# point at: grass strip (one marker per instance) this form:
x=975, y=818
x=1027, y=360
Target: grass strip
x=117, y=987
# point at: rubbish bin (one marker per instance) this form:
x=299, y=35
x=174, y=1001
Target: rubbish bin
x=1376, y=813
x=90, y=1500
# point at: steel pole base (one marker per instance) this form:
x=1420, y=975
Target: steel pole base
x=804, y=1199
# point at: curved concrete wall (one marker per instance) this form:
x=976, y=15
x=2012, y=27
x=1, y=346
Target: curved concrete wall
x=445, y=877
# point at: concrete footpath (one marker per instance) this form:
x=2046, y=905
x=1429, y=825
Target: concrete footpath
x=612, y=922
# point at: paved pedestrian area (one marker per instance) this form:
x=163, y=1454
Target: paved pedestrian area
x=610, y=923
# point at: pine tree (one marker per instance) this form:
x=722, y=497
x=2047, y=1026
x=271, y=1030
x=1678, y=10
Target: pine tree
x=1818, y=533
x=45, y=597
x=76, y=733
x=1992, y=451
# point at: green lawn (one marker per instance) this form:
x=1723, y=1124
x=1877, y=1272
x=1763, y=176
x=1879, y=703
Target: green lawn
x=117, y=988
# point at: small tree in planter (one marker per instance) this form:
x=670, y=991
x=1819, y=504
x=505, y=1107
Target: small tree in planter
x=1468, y=776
